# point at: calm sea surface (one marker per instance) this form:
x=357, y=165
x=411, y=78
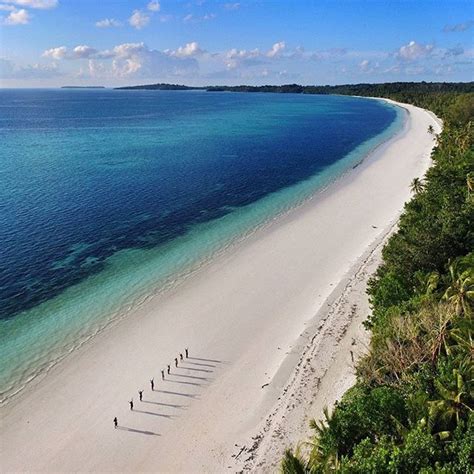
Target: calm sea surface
x=107, y=196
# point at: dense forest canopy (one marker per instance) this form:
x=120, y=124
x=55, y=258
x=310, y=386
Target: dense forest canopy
x=160, y=87
x=375, y=90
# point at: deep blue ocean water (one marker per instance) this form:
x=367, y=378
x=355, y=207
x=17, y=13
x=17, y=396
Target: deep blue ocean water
x=104, y=194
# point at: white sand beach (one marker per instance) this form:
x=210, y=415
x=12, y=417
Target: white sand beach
x=269, y=326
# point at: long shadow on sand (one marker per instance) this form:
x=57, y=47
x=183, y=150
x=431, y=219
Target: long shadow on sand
x=199, y=363
x=189, y=395
x=180, y=407
x=191, y=377
x=154, y=414
x=192, y=368
x=207, y=360
x=185, y=383
x=132, y=430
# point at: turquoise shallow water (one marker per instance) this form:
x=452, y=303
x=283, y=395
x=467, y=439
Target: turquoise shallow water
x=110, y=196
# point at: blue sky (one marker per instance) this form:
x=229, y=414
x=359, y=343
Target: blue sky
x=49, y=43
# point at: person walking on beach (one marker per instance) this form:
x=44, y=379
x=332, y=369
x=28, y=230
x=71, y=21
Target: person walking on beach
x=152, y=383
x=115, y=422
x=169, y=368
x=180, y=356
x=186, y=352
x=176, y=361
x=162, y=375
x=131, y=404
x=140, y=394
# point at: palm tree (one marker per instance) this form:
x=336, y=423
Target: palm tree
x=292, y=463
x=461, y=338
x=326, y=459
x=427, y=283
x=430, y=129
x=461, y=292
x=417, y=186
x=453, y=397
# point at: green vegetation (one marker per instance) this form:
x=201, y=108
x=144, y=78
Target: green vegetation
x=412, y=407
x=415, y=90
x=160, y=87
x=417, y=93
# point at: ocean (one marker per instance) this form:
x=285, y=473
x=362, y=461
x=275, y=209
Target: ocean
x=110, y=196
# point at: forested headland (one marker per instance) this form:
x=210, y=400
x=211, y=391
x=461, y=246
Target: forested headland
x=411, y=409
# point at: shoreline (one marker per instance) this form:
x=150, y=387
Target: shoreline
x=244, y=312
x=321, y=369
x=171, y=282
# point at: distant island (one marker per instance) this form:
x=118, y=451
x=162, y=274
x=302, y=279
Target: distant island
x=83, y=87
x=163, y=87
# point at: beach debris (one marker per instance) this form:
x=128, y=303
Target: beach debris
x=240, y=452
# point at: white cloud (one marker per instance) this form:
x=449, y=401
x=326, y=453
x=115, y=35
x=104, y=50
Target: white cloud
x=17, y=17
x=7, y=8
x=413, y=51
x=55, y=53
x=139, y=19
x=9, y=70
x=241, y=57
x=40, y=4
x=364, y=65
x=127, y=49
x=368, y=67
x=457, y=50
x=276, y=49
x=232, y=6
x=108, y=23
x=136, y=60
x=415, y=70
x=188, y=50
x=197, y=19
x=131, y=60
x=459, y=27
x=243, y=53
x=94, y=69
x=83, y=51
x=332, y=54
x=154, y=6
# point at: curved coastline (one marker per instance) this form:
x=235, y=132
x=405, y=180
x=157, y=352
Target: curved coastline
x=289, y=200
x=269, y=289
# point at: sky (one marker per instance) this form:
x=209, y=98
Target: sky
x=51, y=43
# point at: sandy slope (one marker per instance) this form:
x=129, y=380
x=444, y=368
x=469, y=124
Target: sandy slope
x=250, y=319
